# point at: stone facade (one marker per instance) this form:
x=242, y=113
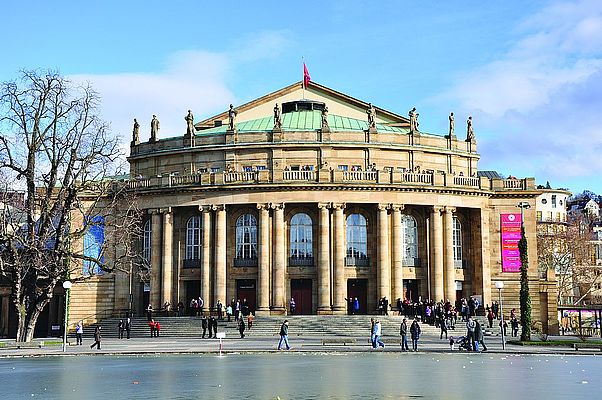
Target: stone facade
x=269, y=215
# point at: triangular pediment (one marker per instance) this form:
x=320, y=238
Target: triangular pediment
x=338, y=104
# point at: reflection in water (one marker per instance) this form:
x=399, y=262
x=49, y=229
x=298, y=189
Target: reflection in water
x=302, y=376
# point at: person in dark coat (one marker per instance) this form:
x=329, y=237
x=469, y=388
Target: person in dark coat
x=128, y=327
x=415, y=334
x=479, y=336
x=121, y=328
x=204, y=326
x=210, y=325
x=149, y=313
x=214, y=327
x=97, y=338
x=241, y=327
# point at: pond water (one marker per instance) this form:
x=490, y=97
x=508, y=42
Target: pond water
x=303, y=376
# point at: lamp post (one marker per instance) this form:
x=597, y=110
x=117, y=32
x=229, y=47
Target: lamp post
x=499, y=285
x=66, y=286
x=523, y=205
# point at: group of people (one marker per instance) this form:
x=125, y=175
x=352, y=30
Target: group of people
x=353, y=305
x=124, y=327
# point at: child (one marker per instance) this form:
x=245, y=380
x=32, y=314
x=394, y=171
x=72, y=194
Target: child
x=452, y=343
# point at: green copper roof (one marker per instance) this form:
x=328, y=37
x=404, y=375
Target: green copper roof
x=303, y=121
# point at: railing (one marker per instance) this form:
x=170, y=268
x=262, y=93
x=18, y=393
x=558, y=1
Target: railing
x=192, y=263
x=466, y=181
x=184, y=180
x=411, y=262
x=460, y=264
x=514, y=183
x=299, y=175
x=139, y=184
x=230, y=177
x=360, y=175
x=301, y=261
x=245, y=262
x=357, y=261
x=411, y=177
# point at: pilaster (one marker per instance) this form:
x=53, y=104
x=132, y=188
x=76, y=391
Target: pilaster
x=206, y=261
x=220, y=254
x=339, y=284
x=279, y=260
x=398, y=251
x=449, y=267
x=263, y=270
x=437, y=254
x=324, y=260
x=383, y=270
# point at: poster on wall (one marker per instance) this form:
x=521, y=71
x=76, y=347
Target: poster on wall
x=510, y=231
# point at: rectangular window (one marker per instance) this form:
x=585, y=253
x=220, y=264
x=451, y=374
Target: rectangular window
x=261, y=167
x=549, y=216
x=539, y=215
x=558, y=217
x=215, y=170
x=295, y=168
x=247, y=168
x=202, y=170
x=343, y=167
x=553, y=201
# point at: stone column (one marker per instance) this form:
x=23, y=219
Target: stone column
x=220, y=255
x=437, y=254
x=155, y=261
x=167, y=257
x=263, y=270
x=449, y=268
x=398, y=253
x=485, y=256
x=324, y=260
x=339, y=284
x=383, y=270
x=279, y=260
x=206, y=262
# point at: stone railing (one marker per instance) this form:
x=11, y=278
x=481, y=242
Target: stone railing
x=466, y=181
x=360, y=176
x=326, y=176
x=411, y=177
x=232, y=177
x=299, y=175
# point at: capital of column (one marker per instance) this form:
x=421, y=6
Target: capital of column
x=166, y=210
x=437, y=209
x=382, y=206
x=153, y=211
x=338, y=206
x=324, y=205
x=449, y=209
x=218, y=207
x=277, y=206
x=263, y=206
x=396, y=207
x=205, y=208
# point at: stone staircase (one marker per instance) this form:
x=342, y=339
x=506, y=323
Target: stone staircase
x=311, y=326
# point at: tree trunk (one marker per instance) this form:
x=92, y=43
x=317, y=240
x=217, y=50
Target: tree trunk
x=26, y=322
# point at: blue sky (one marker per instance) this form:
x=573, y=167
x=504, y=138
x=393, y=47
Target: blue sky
x=529, y=72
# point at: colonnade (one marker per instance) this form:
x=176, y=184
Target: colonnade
x=330, y=250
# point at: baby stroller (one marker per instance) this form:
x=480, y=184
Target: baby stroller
x=463, y=343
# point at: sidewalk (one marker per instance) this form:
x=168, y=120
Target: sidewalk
x=147, y=345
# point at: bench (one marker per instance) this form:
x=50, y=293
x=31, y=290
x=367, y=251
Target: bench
x=595, y=346
x=23, y=345
x=343, y=341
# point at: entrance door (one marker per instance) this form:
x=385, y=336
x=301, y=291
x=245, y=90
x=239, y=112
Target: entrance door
x=410, y=290
x=301, y=292
x=246, y=290
x=144, y=297
x=358, y=288
x=193, y=290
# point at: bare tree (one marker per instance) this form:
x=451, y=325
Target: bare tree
x=54, y=147
x=567, y=249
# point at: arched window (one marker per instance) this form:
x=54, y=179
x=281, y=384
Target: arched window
x=457, y=232
x=301, y=238
x=246, y=237
x=193, y=238
x=146, y=241
x=357, y=241
x=410, y=237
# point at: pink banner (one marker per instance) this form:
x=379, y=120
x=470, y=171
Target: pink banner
x=510, y=230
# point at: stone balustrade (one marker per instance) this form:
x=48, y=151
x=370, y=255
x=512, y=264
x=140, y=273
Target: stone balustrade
x=328, y=177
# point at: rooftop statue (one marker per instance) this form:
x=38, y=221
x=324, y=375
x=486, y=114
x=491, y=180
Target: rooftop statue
x=277, y=117
x=189, y=124
x=469, y=131
x=231, y=117
x=325, y=119
x=371, y=116
x=136, y=132
x=154, y=128
x=452, y=124
x=413, y=120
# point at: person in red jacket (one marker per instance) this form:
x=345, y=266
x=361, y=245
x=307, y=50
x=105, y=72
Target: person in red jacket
x=152, y=326
x=157, y=328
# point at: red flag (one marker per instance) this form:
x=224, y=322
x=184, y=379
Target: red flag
x=306, y=77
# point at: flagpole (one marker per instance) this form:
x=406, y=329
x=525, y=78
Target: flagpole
x=303, y=80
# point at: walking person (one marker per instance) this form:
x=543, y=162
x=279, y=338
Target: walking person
x=372, y=332
x=241, y=327
x=479, y=336
x=151, y=325
x=377, y=334
x=220, y=309
x=149, y=312
x=250, y=321
x=210, y=325
x=415, y=334
x=214, y=327
x=229, y=312
x=403, y=331
x=204, y=326
x=490, y=318
x=79, y=332
x=284, y=335
x=128, y=327
x=514, y=324
x=443, y=326
x=121, y=328
x=471, y=327
x=97, y=338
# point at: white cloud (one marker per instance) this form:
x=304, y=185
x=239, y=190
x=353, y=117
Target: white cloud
x=538, y=104
x=191, y=80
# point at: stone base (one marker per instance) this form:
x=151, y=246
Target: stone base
x=278, y=311
x=324, y=311
x=262, y=312
x=339, y=310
